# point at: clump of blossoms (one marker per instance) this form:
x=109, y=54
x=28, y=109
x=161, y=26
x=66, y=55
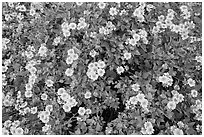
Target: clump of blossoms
x=177, y=98
x=13, y=128
x=197, y=109
x=71, y=56
x=66, y=29
x=140, y=97
x=96, y=69
x=66, y=99
x=139, y=12
x=166, y=79
x=107, y=29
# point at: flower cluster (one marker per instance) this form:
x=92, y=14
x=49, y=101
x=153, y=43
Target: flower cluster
x=177, y=98
x=72, y=56
x=107, y=29
x=197, y=109
x=96, y=69
x=139, y=12
x=66, y=99
x=30, y=66
x=140, y=97
x=82, y=111
x=13, y=128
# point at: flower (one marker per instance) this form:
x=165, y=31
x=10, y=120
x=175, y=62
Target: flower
x=69, y=72
x=49, y=108
x=184, y=8
x=65, y=96
x=177, y=131
x=60, y=91
x=144, y=103
x=93, y=53
x=44, y=96
x=101, y=5
x=101, y=64
x=66, y=33
x=198, y=59
x=175, y=99
x=140, y=97
x=171, y=105
x=16, y=123
x=166, y=79
x=22, y=8
x=5, y=131
x=69, y=60
x=194, y=93
x=88, y=111
x=82, y=111
x=7, y=123
x=100, y=72
x=72, y=25
x=4, y=69
x=180, y=124
x=180, y=97
x=28, y=94
x=133, y=100
x=79, y=3
x=191, y=82
x=42, y=50
x=19, y=131
x=33, y=110
x=113, y=11
x=57, y=40
x=81, y=25
x=94, y=76
x=127, y=55
x=32, y=12
x=149, y=130
x=198, y=103
x=65, y=26
x=28, y=87
x=174, y=92
x=135, y=87
x=120, y=70
x=46, y=127
x=33, y=70
x=132, y=42
x=67, y=107
x=87, y=95
x=147, y=124
x=49, y=83
x=71, y=101
x=70, y=52
x=136, y=37
x=161, y=18
x=74, y=56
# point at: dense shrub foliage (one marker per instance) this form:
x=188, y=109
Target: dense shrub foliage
x=101, y=68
